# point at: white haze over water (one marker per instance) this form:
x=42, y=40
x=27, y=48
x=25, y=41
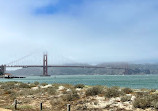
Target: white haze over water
x=89, y=31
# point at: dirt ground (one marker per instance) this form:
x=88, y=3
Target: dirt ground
x=1, y=109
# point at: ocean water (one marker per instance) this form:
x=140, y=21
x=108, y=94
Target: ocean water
x=132, y=81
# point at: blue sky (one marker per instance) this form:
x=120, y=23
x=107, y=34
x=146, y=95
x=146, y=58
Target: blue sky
x=62, y=6
x=86, y=31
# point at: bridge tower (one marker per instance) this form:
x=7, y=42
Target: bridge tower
x=45, y=65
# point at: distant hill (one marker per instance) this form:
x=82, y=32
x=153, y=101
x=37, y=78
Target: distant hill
x=133, y=69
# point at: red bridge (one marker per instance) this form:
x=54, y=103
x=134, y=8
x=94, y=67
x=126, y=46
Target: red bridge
x=46, y=66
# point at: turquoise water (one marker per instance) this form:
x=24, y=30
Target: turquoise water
x=132, y=81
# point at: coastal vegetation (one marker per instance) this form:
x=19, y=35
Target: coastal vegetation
x=55, y=97
x=94, y=91
x=113, y=92
x=80, y=86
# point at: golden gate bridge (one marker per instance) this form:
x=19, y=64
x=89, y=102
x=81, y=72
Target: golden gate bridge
x=45, y=66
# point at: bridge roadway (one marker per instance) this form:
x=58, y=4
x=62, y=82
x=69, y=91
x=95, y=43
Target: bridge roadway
x=79, y=66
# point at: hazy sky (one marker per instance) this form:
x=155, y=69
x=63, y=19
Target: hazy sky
x=90, y=31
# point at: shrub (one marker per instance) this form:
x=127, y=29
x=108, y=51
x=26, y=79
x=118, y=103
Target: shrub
x=141, y=102
x=9, y=91
x=154, y=104
x=94, y=91
x=125, y=98
x=68, y=86
x=79, y=86
x=127, y=90
x=154, y=97
x=23, y=85
x=55, y=102
x=44, y=84
x=112, y=92
x=13, y=96
x=32, y=85
x=145, y=101
x=141, y=94
x=71, y=96
x=116, y=87
x=56, y=86
x=27, y=92
x=51, y=90
x=153, y=90
x=9, y=85
x=36, y=83
x=144, y=89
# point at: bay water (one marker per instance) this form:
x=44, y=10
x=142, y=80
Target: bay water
x=132, y=81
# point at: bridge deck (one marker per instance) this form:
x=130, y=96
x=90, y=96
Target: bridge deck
x=27, y=66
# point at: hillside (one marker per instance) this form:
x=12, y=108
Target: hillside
x=133, y=69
